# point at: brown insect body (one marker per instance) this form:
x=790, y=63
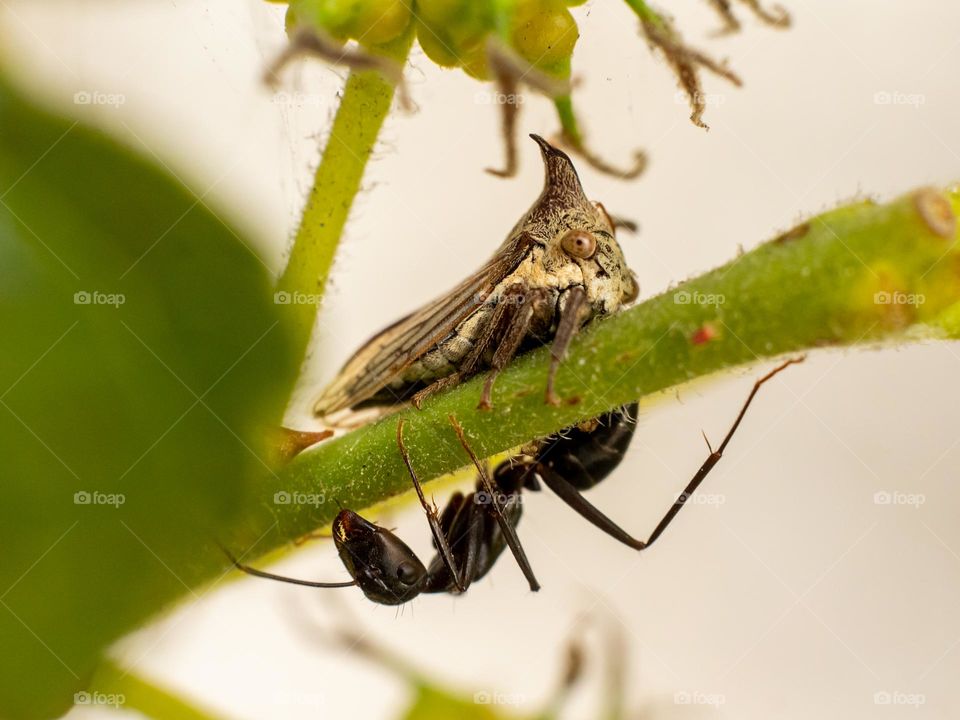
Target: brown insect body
x=559, y=268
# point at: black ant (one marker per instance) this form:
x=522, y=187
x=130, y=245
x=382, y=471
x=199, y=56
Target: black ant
x=474, y=529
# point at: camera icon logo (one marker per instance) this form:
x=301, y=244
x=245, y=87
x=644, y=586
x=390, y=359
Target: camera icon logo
x=882, y=497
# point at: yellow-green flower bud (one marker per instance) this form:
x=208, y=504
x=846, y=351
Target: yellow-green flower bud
x=369, y=22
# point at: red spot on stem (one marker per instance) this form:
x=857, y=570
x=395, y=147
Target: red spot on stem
x=704, y=334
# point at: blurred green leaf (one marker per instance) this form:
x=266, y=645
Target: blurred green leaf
x=142, y=357
x=435, y=703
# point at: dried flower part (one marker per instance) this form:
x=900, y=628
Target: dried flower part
x=509, y=71
x=686, y=63
x=509, y=110
x=777, y=17
x=600, y=165
x=306, y=41
x=524, y=43
x=572, y=138
x=519, y=45
x=724, y=8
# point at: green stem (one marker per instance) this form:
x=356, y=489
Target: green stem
x=126, y=691
x=568, y=120
x=366, y=100
x=646, y=13
x=504, y=12
x=821, y=285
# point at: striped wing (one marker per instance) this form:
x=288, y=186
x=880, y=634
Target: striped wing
x=393, y=350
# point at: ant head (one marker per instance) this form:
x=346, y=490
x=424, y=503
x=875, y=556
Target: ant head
x=383, y=566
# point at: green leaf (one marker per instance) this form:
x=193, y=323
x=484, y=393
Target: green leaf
x=433, y=702
x=141, y=359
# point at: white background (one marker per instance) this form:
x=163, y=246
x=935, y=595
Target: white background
x=794, y=595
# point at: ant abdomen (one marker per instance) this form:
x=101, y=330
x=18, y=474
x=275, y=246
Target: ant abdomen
x=587, y=457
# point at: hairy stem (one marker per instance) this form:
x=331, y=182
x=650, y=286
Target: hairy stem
x=862, y=274
x=366, y=100
x=646, y=13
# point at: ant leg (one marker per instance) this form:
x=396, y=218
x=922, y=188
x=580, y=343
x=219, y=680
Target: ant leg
x=433, y=519
x=473, y=537
x=588, y=511
x=509, y=533
x=715, y=455
x=463, y=525
x=270, y=576
x=570, y=495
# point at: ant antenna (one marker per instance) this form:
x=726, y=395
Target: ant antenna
x=270, y=576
